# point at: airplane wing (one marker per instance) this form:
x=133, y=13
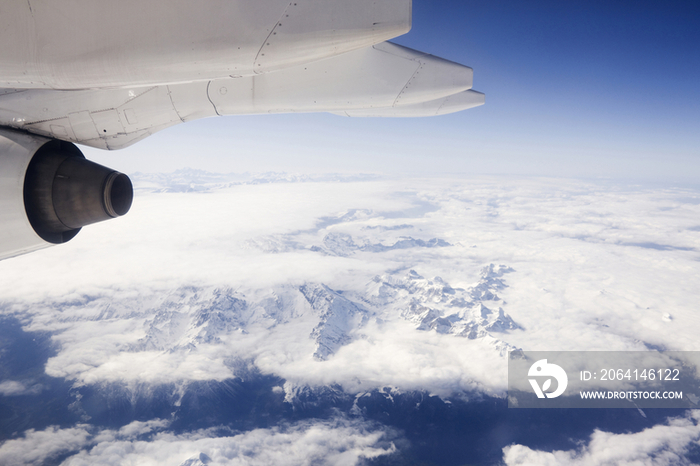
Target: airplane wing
x=382, y=80
x=112, y=86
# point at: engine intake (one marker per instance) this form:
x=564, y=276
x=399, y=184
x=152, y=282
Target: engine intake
x=63, y=192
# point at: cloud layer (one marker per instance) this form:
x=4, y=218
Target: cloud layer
x=596, y=267
x=659, y=446
x=339, y=441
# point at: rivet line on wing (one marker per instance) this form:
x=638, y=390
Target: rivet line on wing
x=408, y=83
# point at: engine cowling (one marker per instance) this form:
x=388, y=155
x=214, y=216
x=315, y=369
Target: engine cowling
x=49, y=191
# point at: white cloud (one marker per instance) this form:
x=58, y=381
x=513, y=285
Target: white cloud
x=14, y=388
x=595, y=267
x=36, y=447
x=658, y=446
x=339, y=442
x=397, y=355
x=11, y=387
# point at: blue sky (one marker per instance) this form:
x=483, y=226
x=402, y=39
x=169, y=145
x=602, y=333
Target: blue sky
x=579, y=88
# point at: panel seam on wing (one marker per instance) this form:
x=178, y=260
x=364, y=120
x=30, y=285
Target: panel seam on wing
x=444, y=102
x=211, y=101
x=267, y=39
x=170, y=96
x=408, y=83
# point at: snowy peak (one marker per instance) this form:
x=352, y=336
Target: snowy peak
x=190, y=316
x=197, y=460
x=343, y=244
x=338, y=317
x=489, y=283
x=386, y=288
x=338, y=244
x=435, y=305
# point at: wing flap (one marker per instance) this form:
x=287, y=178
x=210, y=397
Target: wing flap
x=383, y=76
x=450, y=104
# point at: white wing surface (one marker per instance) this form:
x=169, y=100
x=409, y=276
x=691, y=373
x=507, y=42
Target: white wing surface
x=383, y=80
x=69, y=44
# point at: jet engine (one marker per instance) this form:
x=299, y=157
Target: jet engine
x=49, y=191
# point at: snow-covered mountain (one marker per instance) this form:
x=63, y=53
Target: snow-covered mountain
x=343, y=244
x=435, y=305
x=191, y=317
x=338, y=317
x=188, y=180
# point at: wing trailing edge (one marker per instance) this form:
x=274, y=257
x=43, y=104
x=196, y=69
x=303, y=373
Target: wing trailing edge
x=385, y=80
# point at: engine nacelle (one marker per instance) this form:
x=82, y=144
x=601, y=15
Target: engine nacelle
x=49, y=191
